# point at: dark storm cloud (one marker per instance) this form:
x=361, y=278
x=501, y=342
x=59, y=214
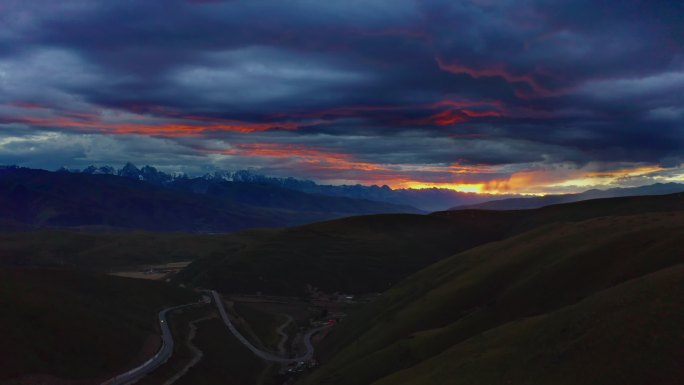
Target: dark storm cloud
x=390, y=85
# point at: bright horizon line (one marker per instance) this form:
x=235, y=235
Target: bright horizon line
x=509, y=187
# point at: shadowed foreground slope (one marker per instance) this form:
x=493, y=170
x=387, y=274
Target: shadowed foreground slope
x=372, y=253
x=597, y=301
x=629, y=334
x=74, y=325
x=357, y=254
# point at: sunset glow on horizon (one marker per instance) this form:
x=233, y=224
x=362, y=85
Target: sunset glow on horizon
x=521, y=99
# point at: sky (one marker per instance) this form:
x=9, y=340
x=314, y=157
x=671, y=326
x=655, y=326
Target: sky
x=494, y=96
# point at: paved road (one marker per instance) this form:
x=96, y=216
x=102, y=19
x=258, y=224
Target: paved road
x=158, y=359
x=258, y=352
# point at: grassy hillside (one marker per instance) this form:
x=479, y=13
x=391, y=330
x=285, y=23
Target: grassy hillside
x=74, y=325
x=357, y=254
x=524, y=220
x=106, y=250
x=262, y=324
x=625, y=335
x=372, y=253
x=596, y=301
x=225, y=360
x=363, y=245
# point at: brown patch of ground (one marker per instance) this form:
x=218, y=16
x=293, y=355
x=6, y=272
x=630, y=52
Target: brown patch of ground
x=153, y=272
x=140, y=275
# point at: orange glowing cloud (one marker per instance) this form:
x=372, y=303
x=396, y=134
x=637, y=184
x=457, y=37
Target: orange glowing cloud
x=144, y=120
x=92, y=122
x=625, y=171
x=607, y=178
x=333, y=164
x=519, y=181
x=161, y=121
x=528, y=183
x=457, y=111
x=549, y=180
x=453, y=116
x=445, y=118
x=497, y=71
x=442, y=113
x=481, y=114
x=336, y=165
x=477, y=188
x=533, y=182
x=305, y=156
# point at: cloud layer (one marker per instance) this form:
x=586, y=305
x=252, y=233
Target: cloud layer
x=527, y=96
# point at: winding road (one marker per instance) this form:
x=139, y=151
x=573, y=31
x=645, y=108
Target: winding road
x=268, y=356
x=158, y=359
x=166, y=350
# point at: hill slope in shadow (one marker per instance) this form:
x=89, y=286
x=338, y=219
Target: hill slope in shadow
x=372, y=253
x=71, y=325
x=595, y=301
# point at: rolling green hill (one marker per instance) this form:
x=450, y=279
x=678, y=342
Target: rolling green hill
x=357, y=254
x=470, y=290
x=630, y=334
x=78, y=326
x=100, y=250
x=589, y=302
x=372, y=253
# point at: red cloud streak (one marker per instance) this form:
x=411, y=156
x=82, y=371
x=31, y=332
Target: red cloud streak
x=92, y=123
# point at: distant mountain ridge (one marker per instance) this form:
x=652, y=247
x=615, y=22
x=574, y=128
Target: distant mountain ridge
x=433, y=199
x=38, y=198
x=537, y=202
